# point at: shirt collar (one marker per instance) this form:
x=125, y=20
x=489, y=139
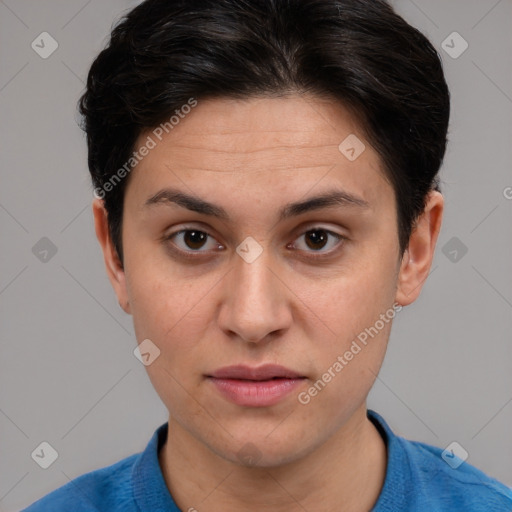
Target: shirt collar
x=149, y=488
x=393, y=495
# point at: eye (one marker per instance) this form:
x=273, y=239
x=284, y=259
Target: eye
x=192, y=240
x=316, y=239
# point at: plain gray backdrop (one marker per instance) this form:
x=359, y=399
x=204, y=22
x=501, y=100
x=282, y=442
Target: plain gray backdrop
x=68, y=375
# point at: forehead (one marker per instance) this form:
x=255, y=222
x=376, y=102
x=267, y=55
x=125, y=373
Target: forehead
x=288, y=143
x=232, y=128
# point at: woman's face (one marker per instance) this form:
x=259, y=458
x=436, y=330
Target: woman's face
x=252, y=280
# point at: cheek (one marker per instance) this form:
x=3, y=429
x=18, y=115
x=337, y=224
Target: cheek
x=355, y=299
x=174, y=310
x=348, y=356
x=160, y=295
x=164, y=307
x=356, y=313
x=170, y=312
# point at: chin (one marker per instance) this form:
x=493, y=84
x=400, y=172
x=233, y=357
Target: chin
x=264, y=451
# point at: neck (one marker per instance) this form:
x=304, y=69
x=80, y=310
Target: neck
x=346, y=473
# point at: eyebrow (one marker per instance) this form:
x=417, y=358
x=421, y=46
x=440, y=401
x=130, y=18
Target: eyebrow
x=327, y=199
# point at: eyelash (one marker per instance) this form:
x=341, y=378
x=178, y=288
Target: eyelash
x=196, y=254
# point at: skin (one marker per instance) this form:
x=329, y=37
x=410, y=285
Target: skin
x=252, y=157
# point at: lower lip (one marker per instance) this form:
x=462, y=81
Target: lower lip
x=254, y=393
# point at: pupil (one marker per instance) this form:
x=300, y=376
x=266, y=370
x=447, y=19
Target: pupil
x=317, y=236
x=195, y=239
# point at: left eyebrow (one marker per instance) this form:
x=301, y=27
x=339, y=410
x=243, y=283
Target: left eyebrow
x=325, y=200
x=328, y=199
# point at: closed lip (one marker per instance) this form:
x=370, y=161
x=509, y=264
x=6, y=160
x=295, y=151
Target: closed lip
x=263, y=372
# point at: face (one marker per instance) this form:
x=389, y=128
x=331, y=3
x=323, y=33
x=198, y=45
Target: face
x=250, y=239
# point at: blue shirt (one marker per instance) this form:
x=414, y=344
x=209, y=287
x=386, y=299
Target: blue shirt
x=417, y=479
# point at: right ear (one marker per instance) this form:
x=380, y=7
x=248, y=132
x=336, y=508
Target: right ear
x=113, y=265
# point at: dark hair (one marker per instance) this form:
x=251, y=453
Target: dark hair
x=358, y=52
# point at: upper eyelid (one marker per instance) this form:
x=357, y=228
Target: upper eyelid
x=298, y=231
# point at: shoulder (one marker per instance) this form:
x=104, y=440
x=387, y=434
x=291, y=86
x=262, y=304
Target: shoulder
x=461, y=487
x=421, y=477
x=108, y=488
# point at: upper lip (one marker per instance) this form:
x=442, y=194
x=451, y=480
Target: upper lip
x=264, y=372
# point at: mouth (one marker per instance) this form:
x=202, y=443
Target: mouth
x=259, y=373
x=255, y=386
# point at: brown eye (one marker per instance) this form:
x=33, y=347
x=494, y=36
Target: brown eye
x=193, y=240
x=315, y=240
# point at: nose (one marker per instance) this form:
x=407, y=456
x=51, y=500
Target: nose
x=256, y=303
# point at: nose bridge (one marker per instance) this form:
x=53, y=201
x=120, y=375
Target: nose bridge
x=256, y=305
x=253, y=282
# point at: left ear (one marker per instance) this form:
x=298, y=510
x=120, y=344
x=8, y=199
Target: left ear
x=418, y=256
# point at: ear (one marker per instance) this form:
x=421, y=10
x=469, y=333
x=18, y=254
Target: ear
x=418, y=256
x=113, y=264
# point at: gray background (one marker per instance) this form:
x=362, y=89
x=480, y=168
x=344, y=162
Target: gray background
x=68, y=375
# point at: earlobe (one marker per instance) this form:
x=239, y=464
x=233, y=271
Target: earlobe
x=417, y=258
x=113, y=265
